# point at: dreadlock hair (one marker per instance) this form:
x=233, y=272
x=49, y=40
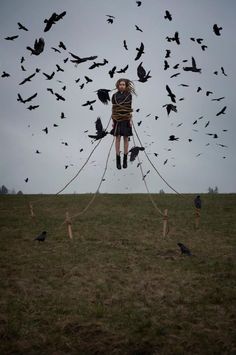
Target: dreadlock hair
x=129, y=85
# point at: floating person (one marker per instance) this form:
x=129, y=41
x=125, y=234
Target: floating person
x=122, y=117
x=198, y=202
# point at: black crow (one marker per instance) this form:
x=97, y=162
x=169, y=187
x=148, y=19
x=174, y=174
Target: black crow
x=48, y=76
x=168, y=16
x=125, y=45
x=134, y=152
x=87, y=103
x=41, y=237
x=61, y=45
x=184, y=249
x=5, y=75
x=38, y=46
x=112, y=72
x=140, y=51
x=170, y=94
x=103, y=95
x=193, y=68
x=222, y=111
x=138, y=28
x=141, y=72
x=59, y=97
x=52, y=20
x=217, y=30
x=79, y=60
x=123, y=70
x=21, y=27
x=27, y=79
x=101, y=133
x=11, y=38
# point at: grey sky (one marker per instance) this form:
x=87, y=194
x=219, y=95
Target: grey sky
x=85, y=32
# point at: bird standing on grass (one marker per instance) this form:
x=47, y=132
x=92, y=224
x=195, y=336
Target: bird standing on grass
x=41, y=237
x=184, y=249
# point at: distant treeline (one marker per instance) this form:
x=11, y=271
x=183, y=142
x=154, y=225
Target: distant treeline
x=5, y=191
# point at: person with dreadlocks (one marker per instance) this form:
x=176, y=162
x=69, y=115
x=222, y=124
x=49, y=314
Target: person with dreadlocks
x=122, y=117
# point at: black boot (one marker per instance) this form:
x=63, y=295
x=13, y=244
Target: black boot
x=125, y=161
x=118, y=165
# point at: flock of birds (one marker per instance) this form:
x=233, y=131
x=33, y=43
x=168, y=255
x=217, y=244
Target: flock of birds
x=143, y=75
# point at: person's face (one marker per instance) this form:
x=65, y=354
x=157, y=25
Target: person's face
x=122, y=86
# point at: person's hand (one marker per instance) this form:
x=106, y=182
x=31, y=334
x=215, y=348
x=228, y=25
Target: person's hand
x=130, y=123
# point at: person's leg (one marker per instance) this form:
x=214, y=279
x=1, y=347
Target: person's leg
x=118, y=145
x=118, y=165
x=126, y=149
x=126, y=144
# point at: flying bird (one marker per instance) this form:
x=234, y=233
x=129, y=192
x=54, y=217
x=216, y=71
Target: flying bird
x=140, y=51
x=59, y=68
x=38, y=47
x=49, y=76
x=5, y=75
x=61, y=45
x=100, y=132
x=138, y=28
x=52, y=20
x=103, y=95
x=173, y=138
x=27, y=79
x=134, y=152
x=56, y=50
x=223, y=71
x=166, y=65
x=125, y=45
x=138, y=3
x=218, y=99
x=26, y=100
x=174, y=39
x=217, y=30
x=222, y=111
x=169, y=108
x=110, y=18
x=193, y=68
x=112, y=72
x=88, y=80
x=59, y=97
x=11, y=38
x=45, y=130
x=21, y=27
x=32, y=107
x=168, y=16
x=170, y=94
x=79, y=60
x=141, y=72
x=123, y=70
x=87, y=103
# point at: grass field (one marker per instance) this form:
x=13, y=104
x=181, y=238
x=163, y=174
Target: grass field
x=118, y=287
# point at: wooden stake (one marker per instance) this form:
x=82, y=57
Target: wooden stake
x=197, y=217
x=68, y=222
x=31, y=210
x=165, y=221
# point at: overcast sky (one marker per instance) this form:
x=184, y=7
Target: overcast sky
x=191, y=166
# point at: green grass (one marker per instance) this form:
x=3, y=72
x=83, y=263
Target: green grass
x=118, y=287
